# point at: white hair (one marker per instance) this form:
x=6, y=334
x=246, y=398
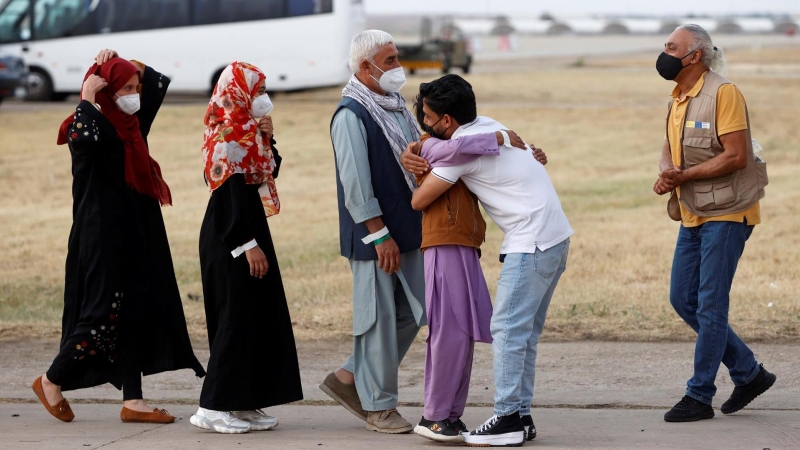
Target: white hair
x=711, y=56
x=365, y=45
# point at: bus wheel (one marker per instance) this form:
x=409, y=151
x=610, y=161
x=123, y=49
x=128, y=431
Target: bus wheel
x=214, y=79
x=40, y=86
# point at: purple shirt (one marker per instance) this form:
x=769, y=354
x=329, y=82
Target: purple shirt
x=452, y=152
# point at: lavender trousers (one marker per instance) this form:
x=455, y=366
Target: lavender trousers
x=459, y=314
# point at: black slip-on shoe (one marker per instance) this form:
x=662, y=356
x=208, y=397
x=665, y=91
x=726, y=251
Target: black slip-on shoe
x=743, y=395
x=689, y=410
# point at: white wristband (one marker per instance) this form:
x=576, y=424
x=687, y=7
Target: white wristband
x=243, y=248
x=376, y=235
x=506, y=139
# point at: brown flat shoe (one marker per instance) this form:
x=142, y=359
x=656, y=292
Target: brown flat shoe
x=157, y=416
x=389, y=421
x=61, y=411
x=344, y=394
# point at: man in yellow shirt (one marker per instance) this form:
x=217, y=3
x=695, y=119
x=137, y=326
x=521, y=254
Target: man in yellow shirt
x=707, y=152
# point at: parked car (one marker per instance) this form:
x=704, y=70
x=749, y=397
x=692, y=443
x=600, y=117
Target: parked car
x=13, y=76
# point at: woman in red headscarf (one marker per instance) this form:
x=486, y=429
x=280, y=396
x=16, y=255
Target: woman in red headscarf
x=123, y=315
x=253, y=362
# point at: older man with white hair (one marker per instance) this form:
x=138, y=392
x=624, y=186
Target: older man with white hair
x=379, y=233
x=717, y=182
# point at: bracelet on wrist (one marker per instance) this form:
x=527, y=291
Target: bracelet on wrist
x=382, y=239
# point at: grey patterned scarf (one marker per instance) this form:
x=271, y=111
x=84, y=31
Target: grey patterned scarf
x=378, y=105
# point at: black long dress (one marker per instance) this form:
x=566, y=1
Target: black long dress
x=123, y=315
x=253, y=361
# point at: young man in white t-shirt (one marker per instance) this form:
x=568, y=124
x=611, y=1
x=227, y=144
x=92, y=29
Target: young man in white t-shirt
x=516, y=192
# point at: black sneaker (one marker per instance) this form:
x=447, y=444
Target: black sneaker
x=689, y=410
x=442, y=431
x=498, y=431
x=460, y=426
x=530, y=428
x=743, y=395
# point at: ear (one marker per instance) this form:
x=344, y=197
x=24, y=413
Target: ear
x=364, y=65
x=447, y=121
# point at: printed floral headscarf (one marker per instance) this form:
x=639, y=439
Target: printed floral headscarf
x=233, y=143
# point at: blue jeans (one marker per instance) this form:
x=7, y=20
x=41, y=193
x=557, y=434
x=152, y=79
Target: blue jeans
x=702, y=273
x=526, y=285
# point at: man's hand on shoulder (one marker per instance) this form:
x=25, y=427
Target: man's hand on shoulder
x=540, y=155
x=413, y=163
x=513, y=139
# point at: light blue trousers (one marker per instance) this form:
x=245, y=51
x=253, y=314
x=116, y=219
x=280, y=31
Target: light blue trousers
x=398, y=311
x=526, y=286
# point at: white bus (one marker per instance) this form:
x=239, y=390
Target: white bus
x=297, y=43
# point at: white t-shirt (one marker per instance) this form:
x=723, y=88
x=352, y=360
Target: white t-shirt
x=515, y=190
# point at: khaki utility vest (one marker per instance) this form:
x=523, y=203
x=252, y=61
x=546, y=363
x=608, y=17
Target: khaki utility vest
x=727, y=194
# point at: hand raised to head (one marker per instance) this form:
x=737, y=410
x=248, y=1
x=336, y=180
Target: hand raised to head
x=91, y=86
x=104, y=56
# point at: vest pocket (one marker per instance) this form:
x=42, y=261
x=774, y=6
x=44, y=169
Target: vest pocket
x=761, y=173
x=697, y=150
x=711, y=194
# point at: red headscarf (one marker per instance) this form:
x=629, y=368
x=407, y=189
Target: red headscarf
x=232, y=142
x=142, y=173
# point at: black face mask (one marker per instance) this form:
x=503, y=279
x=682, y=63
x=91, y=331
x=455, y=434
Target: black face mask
x=669, y=66
x=429, y=130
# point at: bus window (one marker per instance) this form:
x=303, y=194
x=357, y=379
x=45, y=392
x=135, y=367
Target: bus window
x=15, y=21
x=114, y=16
x=60, y=18
x=308, y=7
x=221, y=11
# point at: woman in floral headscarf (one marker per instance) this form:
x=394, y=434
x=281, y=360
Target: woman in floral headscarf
x=253, y=362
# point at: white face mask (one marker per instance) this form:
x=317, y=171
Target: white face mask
x=391, y=80
x=262, y=106
x=129, y=104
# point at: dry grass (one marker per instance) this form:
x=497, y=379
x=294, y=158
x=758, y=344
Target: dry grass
x=602, y=126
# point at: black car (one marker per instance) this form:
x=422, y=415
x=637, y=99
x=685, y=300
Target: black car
x=13, y=75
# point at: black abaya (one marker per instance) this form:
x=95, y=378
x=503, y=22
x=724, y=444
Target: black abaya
x=253, y=361
x=122, y=310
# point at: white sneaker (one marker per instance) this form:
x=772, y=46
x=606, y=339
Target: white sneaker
x=219, y=421
x=257, y=419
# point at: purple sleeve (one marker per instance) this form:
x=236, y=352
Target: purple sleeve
x=453, y=152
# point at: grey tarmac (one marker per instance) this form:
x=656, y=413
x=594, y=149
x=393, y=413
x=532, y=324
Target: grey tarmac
x=605, y=395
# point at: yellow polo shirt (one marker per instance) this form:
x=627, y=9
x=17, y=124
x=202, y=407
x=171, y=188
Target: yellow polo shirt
x=731, y=116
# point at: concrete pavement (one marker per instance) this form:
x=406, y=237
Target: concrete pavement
x=588, y=395
x=331, y=427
